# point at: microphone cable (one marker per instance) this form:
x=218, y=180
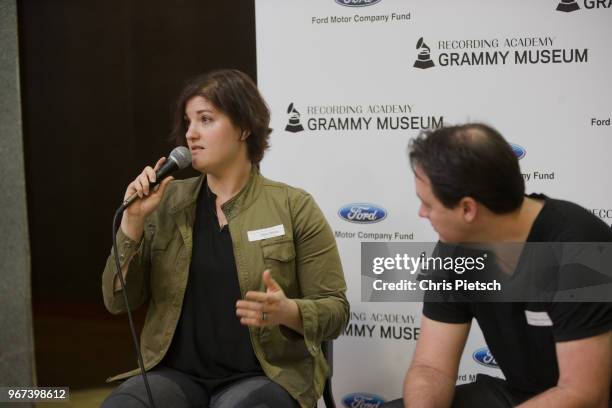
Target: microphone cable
x=179, y=158
x=116, y=219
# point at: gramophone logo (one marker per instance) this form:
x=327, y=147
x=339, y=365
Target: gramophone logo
x=293, y=125
x=568, y=6
x=423, y=60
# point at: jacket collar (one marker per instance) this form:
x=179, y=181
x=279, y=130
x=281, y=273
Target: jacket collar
x=232, y=207
x=245, y=197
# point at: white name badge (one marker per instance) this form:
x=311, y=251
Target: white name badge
x=538, y=318
x=264, y=233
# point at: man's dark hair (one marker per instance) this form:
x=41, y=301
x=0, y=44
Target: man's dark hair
x=235, y=94
x=471, y=160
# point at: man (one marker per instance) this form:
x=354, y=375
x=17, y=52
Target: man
x=471, y=190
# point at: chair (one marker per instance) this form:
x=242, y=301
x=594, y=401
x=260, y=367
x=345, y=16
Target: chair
x=328, y=352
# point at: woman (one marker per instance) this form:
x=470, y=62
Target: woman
x=241, y=274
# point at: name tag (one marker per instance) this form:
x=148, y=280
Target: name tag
x=538, y=318
x=264, y=233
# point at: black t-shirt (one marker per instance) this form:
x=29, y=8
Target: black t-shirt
x=522, y=336
x=209, y=343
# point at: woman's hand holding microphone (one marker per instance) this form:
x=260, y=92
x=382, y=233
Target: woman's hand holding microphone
x=132, y=223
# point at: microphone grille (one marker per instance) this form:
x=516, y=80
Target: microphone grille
x=181, y=156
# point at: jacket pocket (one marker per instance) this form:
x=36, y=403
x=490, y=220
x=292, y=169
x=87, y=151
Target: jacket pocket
x=282, y=251
x=279, y=258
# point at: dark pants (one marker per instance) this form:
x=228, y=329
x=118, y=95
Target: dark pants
x=486, y=392
x=173, y=389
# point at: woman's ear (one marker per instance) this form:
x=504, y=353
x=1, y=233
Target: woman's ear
x=245, y=133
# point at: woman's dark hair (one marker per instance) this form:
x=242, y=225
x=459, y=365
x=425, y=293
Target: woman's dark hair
x=471, y=160
x=235, y=94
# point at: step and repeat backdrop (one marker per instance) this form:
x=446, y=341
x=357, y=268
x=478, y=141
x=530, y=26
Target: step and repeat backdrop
x=350, y=82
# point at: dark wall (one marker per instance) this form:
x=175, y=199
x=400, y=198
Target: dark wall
x=99, y=79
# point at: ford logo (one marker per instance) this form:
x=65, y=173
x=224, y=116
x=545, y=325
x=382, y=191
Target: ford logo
x=357, y=3
x=483, y=356
x=362, y=213
x=519, y=151
x=362, y=400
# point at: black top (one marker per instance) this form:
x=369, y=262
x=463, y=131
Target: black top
x=209, y=343
x=525, y=352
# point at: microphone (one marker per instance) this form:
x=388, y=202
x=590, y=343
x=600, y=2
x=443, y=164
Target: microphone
x=179, y=158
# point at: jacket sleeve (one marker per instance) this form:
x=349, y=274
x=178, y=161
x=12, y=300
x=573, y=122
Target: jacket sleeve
x=137, y=277
x=323, y=306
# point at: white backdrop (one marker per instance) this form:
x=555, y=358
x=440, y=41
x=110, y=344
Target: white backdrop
x=541, y=76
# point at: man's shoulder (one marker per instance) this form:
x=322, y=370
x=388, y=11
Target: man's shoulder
x=562, y=220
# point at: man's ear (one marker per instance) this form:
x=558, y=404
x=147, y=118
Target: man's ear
x=245, y=133
x=469, y=208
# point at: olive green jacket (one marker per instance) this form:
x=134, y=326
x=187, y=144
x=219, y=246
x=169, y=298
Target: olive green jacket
x=304, y=260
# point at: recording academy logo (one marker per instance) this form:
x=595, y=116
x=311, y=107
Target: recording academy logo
x=568, y=6
x=359, y=117
x=494, y=51
x=423, y=60
x=293, y=125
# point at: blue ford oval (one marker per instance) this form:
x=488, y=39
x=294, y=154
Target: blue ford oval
x=483, y=356
x=362, y=400
x=362, y=213
x=519, y=151
x=357, y=3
